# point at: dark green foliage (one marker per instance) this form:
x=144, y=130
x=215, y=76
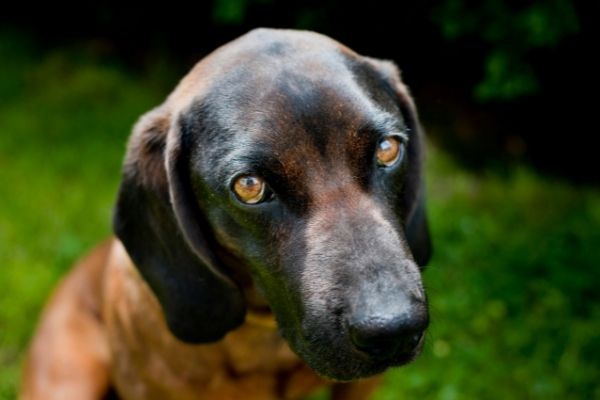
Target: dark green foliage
x=511, y=30
x=520, y=69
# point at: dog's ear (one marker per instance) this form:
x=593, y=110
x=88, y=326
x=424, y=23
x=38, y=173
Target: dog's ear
x=413, y=197
x=159, y=221
x=417, y=233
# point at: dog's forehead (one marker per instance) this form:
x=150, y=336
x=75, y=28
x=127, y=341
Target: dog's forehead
x=295, y=102
x=249, y=52
x=267, y=68
x=284, y=85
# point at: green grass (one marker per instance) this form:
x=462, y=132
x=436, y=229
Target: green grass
x=64, y=119
x=515, y=310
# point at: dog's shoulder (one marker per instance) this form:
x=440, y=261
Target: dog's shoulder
x=52, y=372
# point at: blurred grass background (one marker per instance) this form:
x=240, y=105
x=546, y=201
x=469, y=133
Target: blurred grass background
x=514, y=279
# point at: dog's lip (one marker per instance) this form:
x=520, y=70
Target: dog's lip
x=305, y=348
x=399, y=358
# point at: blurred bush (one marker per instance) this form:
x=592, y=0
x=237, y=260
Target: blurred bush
x=512, y=32
x=502, y=79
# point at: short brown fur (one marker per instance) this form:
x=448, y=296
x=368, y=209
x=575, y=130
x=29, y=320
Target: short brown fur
x=104, y=327
x=103, y=307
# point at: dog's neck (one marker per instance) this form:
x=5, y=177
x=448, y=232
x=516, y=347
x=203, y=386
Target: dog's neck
x=146, y=356
x=258, y=311
x=266, y=321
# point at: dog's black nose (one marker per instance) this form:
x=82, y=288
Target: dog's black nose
x=388, y=336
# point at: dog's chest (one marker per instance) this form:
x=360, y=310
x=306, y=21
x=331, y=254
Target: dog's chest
x=252, y=362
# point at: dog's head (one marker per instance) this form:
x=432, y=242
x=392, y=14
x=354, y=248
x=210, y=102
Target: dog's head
x=300, y=160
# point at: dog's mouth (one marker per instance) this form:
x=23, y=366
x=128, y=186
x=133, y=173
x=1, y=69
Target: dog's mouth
x=336, y=356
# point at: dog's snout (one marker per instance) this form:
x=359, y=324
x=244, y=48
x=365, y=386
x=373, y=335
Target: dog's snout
x=389, y=336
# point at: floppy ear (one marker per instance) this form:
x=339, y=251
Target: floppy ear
x=413, y=198
x=417, y=233
x=163, y=230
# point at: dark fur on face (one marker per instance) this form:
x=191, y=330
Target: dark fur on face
x=335, y=250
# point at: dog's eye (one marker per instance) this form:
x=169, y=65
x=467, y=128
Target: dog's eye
x=389, y=151
x=250, y=189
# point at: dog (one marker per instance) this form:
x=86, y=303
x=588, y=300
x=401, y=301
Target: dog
x=270, y=235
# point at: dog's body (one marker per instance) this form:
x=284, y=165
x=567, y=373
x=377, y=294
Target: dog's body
x=104, y=329
x=279, y=182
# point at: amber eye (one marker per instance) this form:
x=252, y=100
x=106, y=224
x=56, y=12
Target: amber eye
x=249, y=189
x=389, y=151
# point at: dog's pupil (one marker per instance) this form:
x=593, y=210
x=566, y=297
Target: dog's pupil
x=388, y=151
x=249, y=188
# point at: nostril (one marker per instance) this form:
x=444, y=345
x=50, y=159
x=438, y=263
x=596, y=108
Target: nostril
x=412, y=341
x=387, y=337
x=369, y=340
x=364, y=336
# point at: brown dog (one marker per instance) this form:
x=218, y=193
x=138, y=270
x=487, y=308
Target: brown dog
x=280, y=181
